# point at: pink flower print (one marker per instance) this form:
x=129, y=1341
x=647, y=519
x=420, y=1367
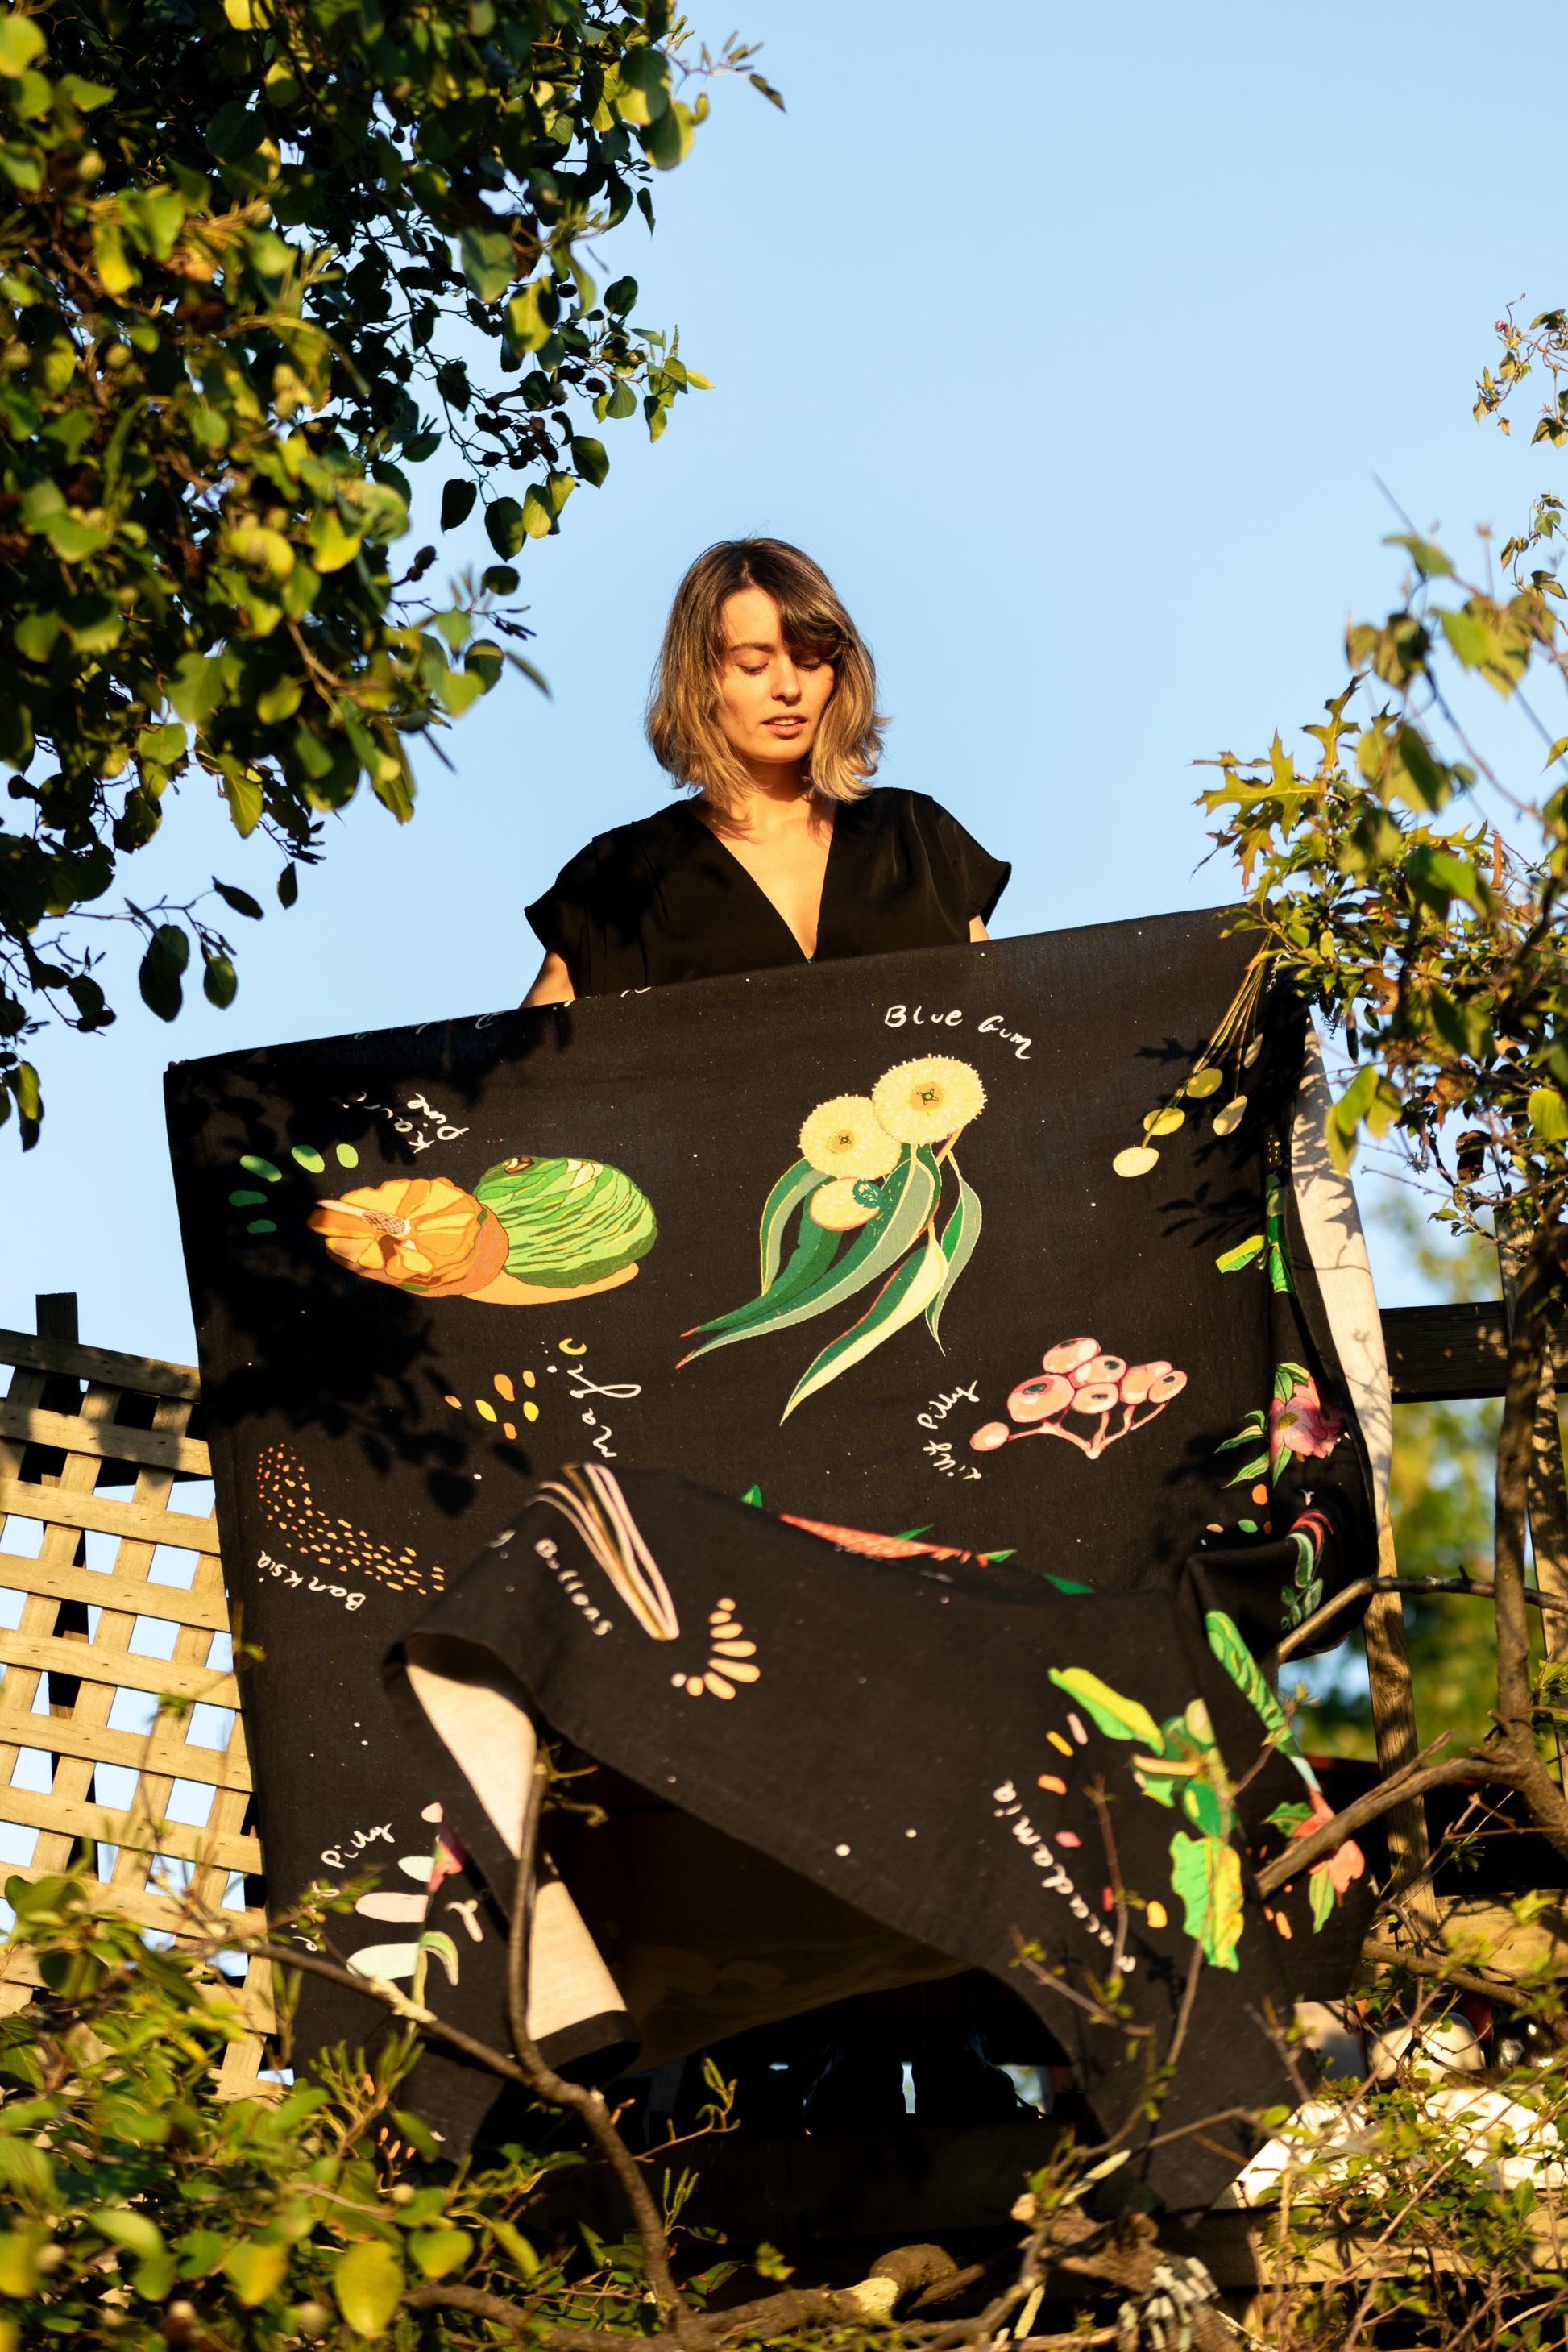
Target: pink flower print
x=1303, y=1423
x=1077, y=1380
x=1347, y=1862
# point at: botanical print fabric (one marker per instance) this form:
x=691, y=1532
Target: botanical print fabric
x=964, y=1285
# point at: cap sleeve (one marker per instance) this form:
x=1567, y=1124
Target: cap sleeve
x=983, y=877
x=562, y=918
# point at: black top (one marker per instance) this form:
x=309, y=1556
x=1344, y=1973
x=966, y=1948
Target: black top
x=664, y=900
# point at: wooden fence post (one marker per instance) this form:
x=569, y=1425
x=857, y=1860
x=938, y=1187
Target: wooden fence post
x=1548, y=1494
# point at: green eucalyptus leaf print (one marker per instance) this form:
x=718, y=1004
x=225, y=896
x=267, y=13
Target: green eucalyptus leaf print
x=1206, y=1873
x=1118, y=1717
x=787, y=1196
x=1321, y=1895
x=1244, y=1253
x=908, y=1198
x=864, y=1199
x=902, y=1297
x=957, y=1238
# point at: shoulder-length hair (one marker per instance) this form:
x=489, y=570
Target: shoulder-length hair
x=683, y=724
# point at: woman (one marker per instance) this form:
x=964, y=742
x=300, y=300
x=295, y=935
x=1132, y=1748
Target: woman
x=764, y=704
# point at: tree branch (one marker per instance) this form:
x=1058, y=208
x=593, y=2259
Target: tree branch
x=542, y=2079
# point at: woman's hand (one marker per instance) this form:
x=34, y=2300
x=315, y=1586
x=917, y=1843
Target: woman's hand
x=553, y=984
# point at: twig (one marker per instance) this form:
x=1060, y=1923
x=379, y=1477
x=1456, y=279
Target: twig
x=542, y=2078
x=1412, y=1584
x=1392, y=1956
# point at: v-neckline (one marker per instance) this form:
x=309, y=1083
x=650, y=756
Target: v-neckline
x=775, y=911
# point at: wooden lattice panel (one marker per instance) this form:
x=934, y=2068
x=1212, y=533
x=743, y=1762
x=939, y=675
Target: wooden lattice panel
x=127, y=1429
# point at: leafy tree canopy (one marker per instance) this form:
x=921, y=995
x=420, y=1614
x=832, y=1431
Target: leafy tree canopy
x=257, y=258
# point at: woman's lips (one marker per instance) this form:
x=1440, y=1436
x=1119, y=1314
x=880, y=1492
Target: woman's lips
x=784, y=726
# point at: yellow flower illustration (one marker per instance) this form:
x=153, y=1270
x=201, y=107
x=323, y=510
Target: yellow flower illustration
x=843, y=1138
x=921, y=1102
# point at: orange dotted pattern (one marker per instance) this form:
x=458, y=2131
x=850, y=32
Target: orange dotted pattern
x=336, y=1545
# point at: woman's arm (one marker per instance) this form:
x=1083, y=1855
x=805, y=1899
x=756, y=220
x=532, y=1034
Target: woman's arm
x=553, y=983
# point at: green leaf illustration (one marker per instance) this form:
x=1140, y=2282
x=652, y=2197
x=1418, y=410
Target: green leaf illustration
x=902, y=1297
x=1253, y=1469
x=1118, y=1717
x=908, y=1198
x=959, y=1237
x=1226, y=1642
x=1286, y=1818
x=1206, y=1874
x=1321, y=1895
x=1251, y=1430
x=1244, y=1253
x=809, y=1260
x=791, y=1189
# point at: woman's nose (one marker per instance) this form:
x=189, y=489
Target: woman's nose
x=787, y=682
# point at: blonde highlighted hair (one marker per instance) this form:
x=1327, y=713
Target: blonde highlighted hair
x=683, y=724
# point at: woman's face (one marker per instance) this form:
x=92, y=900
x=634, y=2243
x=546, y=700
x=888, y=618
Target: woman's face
x=771, y=702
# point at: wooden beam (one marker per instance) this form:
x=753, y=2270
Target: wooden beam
x=153, y=1449
x=1440, y=1354
x=37, y=1354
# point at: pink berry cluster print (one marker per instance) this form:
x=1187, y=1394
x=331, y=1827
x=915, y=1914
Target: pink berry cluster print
x=1078, y=1385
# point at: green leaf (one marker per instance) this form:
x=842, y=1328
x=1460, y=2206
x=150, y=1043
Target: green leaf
x=367, y=2279
x=34, y=634
x=908, y=1198
x=538, y=516
x=289, y=885
x=331, y=545
x=168, y=952
x=258, y=2267
x=489, y=264
x=439, y=2253
x=1430, y=560
x=905, y=1295
x=219, y=979
x=20, y=44
x=1244, y=1253
x=1549, y=1115
x=134, y=2231
x=94, y=622
x=1118, y=1717
x=240, y=901
x=504, y=525
x=1439, y=874
x=196, y=687
x=1469, y=638
x=621, y=296
x=18, y=2263
x=590, y=460
x=1321, y=1895
x=245, y=800
x=457, y=503
x=517, y=2246
x=1205, y=1872
x=959, y=1237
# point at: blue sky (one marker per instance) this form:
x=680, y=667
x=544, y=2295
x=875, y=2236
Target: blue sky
x=1071, y=348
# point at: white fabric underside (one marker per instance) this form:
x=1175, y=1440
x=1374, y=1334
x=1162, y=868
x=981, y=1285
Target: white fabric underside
x=486, y=1726
x=1330, y=1227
